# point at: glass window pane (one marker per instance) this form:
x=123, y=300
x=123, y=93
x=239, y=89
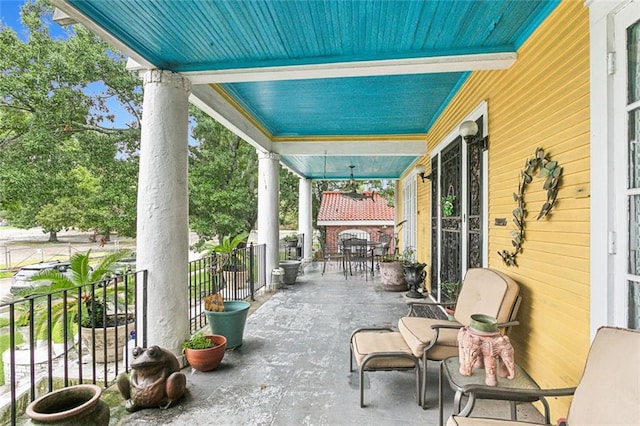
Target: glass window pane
x=633, y=56
x=634, y=149
x=634, y=235
x=634, y=305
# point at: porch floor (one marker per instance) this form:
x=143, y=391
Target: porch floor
x=293, y=366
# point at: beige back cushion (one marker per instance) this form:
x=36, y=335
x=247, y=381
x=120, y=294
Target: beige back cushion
x=486, y=291
x=609, y=391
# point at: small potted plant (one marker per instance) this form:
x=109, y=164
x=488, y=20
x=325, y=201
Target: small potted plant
x=93, y=301
x=291, y=240
x=450, y=291
x=204, y=352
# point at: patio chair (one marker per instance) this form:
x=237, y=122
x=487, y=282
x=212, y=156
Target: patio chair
x=330, y=256
x=382, y=248
x=484, y=291
x=608, y=392
x=357, y=255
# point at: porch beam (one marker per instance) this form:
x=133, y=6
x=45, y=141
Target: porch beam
x=435, y=64
x=214, y=104
x=387, y=147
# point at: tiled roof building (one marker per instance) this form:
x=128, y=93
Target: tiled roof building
x=367, y=218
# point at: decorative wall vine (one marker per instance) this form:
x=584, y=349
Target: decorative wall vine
x=544, y=167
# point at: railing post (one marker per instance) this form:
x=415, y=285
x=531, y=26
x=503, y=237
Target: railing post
x=235, y=267
x=251, y=280
x=144, y=308
x=7, y=260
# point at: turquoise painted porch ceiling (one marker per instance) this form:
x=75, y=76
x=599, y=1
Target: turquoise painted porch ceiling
x=324, y=83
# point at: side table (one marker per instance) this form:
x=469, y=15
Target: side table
x=473, y=386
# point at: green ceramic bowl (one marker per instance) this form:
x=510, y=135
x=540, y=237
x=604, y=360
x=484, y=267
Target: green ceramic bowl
x=484, y=323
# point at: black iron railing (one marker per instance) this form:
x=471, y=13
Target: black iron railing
x=50, y=341
x=54, y=340
x=238, y=279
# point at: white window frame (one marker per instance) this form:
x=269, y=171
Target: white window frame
x=609, y=234
x=410, y=212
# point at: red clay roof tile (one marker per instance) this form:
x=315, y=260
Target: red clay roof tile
x=335, y=206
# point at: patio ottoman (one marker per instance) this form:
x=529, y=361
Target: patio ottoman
x=381, y=350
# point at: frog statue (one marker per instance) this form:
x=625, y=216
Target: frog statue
x=155, y=381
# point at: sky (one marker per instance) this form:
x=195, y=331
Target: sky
x=10, y=12
x=10, y=16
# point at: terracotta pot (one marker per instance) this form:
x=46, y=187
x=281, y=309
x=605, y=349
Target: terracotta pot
x=73, y=405
x=207, y=359
x=450, y=314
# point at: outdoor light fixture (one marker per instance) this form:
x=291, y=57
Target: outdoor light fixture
x=420, y=171
x=469, y=132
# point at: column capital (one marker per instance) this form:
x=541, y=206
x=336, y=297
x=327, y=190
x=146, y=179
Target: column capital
x=168, y=78
x=268, y=155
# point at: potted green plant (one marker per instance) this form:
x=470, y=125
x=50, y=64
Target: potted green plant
x=84, y=306
x=450, y=291
x=204, y=352
x=291, y=240
x=227, y=264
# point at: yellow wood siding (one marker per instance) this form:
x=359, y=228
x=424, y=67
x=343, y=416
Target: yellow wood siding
x=541, y=101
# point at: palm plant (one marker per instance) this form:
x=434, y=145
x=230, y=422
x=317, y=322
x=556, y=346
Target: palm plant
x=75, y=296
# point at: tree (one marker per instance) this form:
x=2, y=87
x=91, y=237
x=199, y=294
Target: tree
x=223, y=180
x=289, y=190
x=63, y=162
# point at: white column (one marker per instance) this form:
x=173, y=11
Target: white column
x=163, y=229
x=305, y=213
x=268, y=208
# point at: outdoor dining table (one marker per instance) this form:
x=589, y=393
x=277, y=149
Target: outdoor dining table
x=358, y=246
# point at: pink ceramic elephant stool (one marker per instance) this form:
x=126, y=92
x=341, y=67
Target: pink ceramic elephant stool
x=478, y=350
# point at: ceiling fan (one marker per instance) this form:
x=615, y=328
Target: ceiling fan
x=352, y=189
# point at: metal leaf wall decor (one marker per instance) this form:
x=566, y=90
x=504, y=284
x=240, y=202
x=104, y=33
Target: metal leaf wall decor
x=539, y=166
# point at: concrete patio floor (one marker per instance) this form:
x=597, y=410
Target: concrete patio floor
x=293, y=366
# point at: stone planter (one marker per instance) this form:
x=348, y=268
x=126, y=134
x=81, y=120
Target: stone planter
x=73, y=405
x=291, y=268
x=392, y=276
x=238, y=278
x=114, y=351
x=415, y=274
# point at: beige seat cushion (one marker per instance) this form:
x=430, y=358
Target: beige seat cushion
x=368, y=342
x=609, y=391
x=486, y=291
x=417, y=332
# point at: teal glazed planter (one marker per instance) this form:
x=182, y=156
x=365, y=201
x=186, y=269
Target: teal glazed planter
x=230, y=323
